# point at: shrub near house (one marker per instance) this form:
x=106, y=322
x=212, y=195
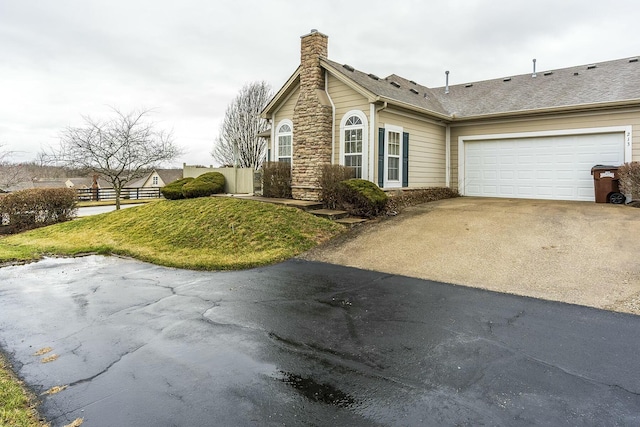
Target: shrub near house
x=173, y=191
x=204, y=185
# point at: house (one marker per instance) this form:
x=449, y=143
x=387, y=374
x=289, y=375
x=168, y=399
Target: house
x=157, y=178
x=535, y=135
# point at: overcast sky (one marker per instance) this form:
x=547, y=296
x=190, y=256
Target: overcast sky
x=187, y=59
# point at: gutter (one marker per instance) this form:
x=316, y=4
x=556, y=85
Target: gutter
x=541, y=111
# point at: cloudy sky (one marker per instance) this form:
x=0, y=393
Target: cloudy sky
x=187, y=59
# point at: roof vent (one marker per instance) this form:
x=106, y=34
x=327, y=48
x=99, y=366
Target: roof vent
x=425, y=95
x=446, y=89
x=548, y=73
x=468, y=85
x=591, y=67
x=413, y=83
x=534, y=68
x=576, y=73
x=374, y=77
x=395, y=84
x=348, y=67
x=506, y=79
x=633, y=60
x=414, y=91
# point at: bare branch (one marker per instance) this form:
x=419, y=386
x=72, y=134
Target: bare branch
x=119, y=149
x=238, y=141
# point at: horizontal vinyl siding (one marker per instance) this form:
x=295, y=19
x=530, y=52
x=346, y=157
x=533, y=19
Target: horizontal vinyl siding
x=427, y=156
x=345, y=99
x=286, y=110
x=574, y=121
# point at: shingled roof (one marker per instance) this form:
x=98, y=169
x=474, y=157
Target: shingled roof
x=585, y=86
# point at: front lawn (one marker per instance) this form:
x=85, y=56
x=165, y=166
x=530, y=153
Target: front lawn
x=210, y=233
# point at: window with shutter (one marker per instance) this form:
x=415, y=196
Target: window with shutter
x=395, y=165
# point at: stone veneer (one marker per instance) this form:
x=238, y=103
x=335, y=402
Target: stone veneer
x=312, y=118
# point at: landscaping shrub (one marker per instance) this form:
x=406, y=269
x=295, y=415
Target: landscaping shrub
x=276, y=180
x=629, y=182
x=37, y=207
x=205, y=185
x=361, y=197
x=330, y=177
x=173, y=191
x=401, y=199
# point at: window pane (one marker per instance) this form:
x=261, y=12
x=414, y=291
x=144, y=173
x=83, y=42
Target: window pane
x=393, y=169
x=355, y=162
x=353, y=141
x=284, y=145
x=284, y=129
x=353, y=120
x=394, y=144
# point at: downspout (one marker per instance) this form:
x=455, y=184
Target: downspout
x=273, y=137
x=447, y=142
x=333, y=117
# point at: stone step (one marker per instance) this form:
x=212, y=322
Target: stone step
x=329, y=214
x=351, y=221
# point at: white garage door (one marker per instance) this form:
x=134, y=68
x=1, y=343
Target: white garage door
x=550, y=167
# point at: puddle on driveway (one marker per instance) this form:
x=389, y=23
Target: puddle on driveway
x=323, y=393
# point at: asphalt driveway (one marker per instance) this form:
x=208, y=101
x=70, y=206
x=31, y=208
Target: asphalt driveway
x=311, y=344
x=577, y=252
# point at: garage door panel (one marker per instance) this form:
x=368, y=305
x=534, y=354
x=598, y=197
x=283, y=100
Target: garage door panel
x=553, y=167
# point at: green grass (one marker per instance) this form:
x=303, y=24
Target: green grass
x=211, y=233
x=16, y=406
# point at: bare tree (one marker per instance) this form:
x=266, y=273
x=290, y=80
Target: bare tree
x=119, y=149
x=10, y=173
x=238, y=143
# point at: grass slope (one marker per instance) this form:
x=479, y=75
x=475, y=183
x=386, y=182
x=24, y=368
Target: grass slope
x=211, y=233
x=16, y=407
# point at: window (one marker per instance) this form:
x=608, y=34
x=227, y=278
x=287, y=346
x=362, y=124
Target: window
x=154, y=180
x=393, y=157
x=284, y=140
x=353, y=142
x=353, y=145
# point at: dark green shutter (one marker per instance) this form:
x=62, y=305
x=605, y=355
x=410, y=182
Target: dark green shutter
x=405, y=159
x=380, y=157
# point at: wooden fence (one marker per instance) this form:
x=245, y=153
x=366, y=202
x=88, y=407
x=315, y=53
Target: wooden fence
x=85, y=194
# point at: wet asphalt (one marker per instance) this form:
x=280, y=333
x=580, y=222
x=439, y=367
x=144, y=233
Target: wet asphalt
x=309, y=344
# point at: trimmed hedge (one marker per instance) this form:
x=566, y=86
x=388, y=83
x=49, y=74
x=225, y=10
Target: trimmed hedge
x=204, y=185
x=361, y=197
x=36, y=207
x=405, y=198
x=173, y=191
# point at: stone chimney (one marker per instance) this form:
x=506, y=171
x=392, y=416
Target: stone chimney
x=312, y=117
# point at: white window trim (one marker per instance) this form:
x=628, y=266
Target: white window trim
x=386, y=182
x=365, y=140
x=627, y=130
x=275, y=153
